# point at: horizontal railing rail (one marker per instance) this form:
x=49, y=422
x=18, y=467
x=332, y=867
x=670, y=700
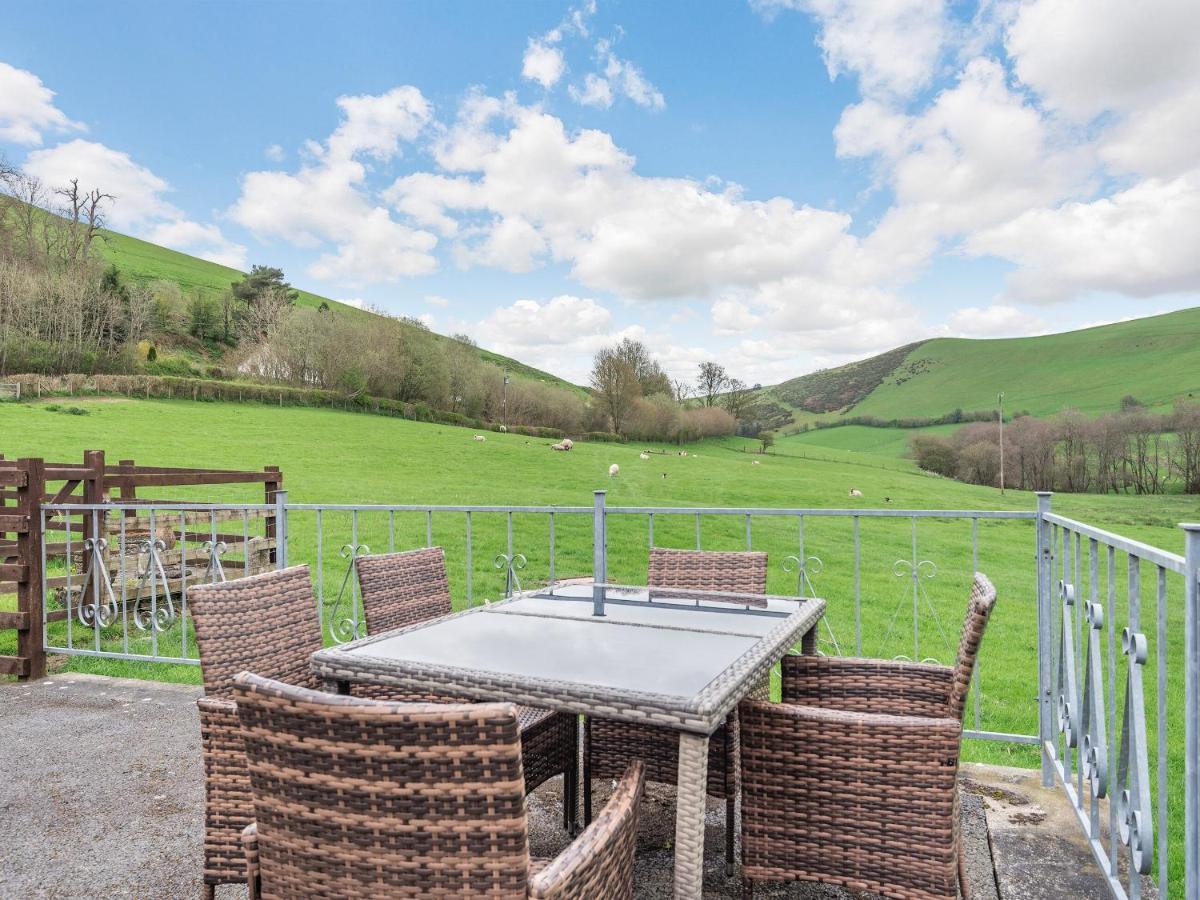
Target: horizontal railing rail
x=895, y=581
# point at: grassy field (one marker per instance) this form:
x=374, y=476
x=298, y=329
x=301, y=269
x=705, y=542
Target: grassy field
x=1156, y=359
x=886, y=443
x=338, y=457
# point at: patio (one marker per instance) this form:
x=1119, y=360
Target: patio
x=117, y=807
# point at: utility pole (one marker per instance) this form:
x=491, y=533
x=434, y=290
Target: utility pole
x=1000, y=404
x=504, y=414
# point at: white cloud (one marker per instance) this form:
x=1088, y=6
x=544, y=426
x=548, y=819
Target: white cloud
x=998, y=320
x=27, y=109
x=327, y=204
x=1140, y=242
x=892, y=46
x=732, y=316
x=596, y=91
x=435, y=300
x=274, y=153
x=356, y=302
x=428, y=320
x=138, y=192
x=543, y=63
x=205, y=241
x=138, y=205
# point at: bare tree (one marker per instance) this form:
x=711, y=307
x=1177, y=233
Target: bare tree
x=616, y=384
x=1186, y=452
x=681, y=389
x=736, y=398
x=85, y=218
x=711, y=381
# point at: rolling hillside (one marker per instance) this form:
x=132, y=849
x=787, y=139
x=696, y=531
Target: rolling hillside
x=1156, y=359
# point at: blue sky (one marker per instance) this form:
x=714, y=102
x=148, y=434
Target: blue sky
x=779, y=184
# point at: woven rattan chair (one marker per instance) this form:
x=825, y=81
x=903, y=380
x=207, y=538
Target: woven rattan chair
x=267, y=623
x=401, y=589
x=610, y=745
x=360, y=798
x=852, y=779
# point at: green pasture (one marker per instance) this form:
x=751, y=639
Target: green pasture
x=339, y=457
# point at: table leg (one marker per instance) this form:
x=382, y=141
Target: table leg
x=689, y=815
x=808, y=643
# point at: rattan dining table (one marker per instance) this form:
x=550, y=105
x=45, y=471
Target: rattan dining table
x=680, y=659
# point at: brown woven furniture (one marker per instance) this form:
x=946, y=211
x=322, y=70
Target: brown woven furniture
x=400, y=589
x=609, y=745
x=684, y=665
x=359, y=798
x=267, y=623
x=852, y=779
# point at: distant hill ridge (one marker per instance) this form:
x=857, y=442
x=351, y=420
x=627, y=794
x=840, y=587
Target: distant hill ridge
x=1155, y=359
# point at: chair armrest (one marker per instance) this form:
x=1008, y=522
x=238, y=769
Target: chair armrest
x=599, y=863
x=253, y=874
x=868, y=685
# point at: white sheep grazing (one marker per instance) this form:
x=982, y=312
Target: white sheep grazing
x=480, y=437
x=559, y=446
x=504, y=429
x=643, y=456
x=754, y=462
x=855, y=492
x=614, y=470
x=567, y=443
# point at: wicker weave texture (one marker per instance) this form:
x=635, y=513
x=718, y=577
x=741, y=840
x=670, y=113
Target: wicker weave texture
x=266, y=623
x=852, y=779
x=405, y=588
x=357, y=798
x=708, y=570
x=401, y=589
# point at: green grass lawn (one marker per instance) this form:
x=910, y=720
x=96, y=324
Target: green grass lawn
x=337, y=457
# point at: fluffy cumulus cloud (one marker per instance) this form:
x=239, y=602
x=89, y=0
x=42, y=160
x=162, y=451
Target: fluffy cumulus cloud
x=519, y=190
x=326, y=204
x=891, y=46
x=543, y=63
x=139, y=203
x=27, y=110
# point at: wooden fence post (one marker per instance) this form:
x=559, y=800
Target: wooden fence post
x=30, y=661
x=270, y=487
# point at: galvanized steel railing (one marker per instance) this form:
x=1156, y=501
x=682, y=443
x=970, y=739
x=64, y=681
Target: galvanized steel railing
x=877, y=567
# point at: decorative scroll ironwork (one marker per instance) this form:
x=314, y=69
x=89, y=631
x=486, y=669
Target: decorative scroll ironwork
x=214, y=572
x=918, y=571
x=1134, y=815
x=1093, y=757
x=345, y=627
x=103, y=606
x=1068, y=691
x=801, y=566
x=156, y=614
x=510, y=564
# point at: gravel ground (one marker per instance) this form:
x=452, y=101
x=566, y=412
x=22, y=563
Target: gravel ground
x=102, y=794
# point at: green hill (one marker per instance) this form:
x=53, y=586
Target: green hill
x=143, y=261
x=1156, y=359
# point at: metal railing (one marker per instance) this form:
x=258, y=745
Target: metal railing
x=1094, y=652
x=896, y=580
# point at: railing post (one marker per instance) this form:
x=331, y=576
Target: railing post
x=1045, y=643
x=599, y=552
x=281, y=529
x=1191, y=650
x=31, y=638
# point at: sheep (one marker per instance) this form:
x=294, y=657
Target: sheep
x=855, y=492
x=614, y=470
x=643, y=455
x=567, y=443
x=504, y=429
x=559, y=446
x=480, y=437
x=754, y=462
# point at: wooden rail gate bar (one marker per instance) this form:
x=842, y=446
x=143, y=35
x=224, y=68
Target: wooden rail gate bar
x=27, y=484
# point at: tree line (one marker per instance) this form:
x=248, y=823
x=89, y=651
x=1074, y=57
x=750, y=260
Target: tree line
x=1132, y=450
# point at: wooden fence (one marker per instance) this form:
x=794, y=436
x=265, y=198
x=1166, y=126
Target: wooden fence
x=26, y=484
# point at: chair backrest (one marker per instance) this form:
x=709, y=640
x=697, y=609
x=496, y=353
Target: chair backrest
x=401, y=589
x=708, y=570
x=979, y=609
x=264, y=623
x=360, y=798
